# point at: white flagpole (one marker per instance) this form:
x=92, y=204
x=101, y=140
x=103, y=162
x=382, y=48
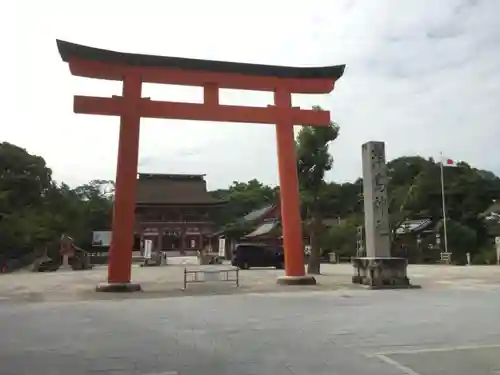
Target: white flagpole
x=444, y=206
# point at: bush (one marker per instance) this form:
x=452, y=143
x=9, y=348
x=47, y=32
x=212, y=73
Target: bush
x=341, y=238
x=485, y=255
x=461, y=240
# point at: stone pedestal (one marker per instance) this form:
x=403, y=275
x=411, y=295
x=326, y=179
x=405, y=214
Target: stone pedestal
x=65, y=266
x=378, y=273
x=155, y=260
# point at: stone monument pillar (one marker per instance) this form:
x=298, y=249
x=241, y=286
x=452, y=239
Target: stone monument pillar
x=377, y=230
x=378, y=269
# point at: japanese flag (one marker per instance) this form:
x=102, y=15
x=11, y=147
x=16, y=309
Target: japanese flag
x=449, y=162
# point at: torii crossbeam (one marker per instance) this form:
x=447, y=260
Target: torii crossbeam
x=134, y=69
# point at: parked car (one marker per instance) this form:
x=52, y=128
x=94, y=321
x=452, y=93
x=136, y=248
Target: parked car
x=248, y=255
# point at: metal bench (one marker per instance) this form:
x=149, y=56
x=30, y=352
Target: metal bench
x=201, y=275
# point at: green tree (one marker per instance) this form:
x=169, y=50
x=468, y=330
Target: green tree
x=34, y=210
x=244, y=197
x=24, y=178
x=341, y=238
x=313, y=161
x=350, y=198
x=407, y=190
x=415, y=191
x=96, y=205
x=25, y=181
x=461, y=240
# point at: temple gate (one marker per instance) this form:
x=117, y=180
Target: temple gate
x=134, y=69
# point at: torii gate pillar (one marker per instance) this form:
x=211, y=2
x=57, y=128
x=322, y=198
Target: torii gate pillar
x=289, y=195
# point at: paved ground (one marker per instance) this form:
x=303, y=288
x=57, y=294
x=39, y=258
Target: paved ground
x=448, y=332
x=449, y=327
x=168, y=281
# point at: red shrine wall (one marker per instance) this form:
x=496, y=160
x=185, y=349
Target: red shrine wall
x=172, y=229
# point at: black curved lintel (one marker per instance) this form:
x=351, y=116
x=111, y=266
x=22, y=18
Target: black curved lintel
x=69, y=50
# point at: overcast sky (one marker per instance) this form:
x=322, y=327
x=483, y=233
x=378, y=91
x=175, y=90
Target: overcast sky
x=422, y=75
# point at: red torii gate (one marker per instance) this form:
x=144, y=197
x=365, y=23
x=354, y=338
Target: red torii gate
x=134, y=69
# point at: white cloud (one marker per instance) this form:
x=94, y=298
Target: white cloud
x=421, y=75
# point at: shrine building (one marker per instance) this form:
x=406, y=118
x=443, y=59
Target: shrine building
x=175, y=211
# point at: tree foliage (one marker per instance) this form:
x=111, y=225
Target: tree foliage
x=461, y=239
x=341, y=238
x=35, y=210
x=244, y=197
x=415, y=192
x=313, y=161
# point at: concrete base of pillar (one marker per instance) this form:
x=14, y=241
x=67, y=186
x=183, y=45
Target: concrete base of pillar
x=296, y=280
x=118, y=287
x=381, y=273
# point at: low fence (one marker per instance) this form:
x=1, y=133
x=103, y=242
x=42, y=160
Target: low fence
x=202, y=275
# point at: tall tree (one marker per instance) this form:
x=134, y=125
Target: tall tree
x=25, y=180
x=244, y=197
x=35, y=210
x=313, y=161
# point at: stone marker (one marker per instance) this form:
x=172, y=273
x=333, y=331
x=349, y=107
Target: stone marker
x=65, y=263
x=377, y=230
x=378, y=269
x=66, y=250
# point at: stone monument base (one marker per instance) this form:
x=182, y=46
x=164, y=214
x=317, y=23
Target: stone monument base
x=151, y=263
x=381, y=273
x=296, y=280
x=65, y=266
x=156, y=260
x=118, y=287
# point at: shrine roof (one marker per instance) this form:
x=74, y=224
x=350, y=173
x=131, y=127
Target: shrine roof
x=69, y=51
x=172, y=176
x=264, y=229
x=259, y=213
x=414, y=226
x=173, y=189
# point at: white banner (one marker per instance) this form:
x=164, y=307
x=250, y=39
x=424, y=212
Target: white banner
x=222, y=247
x=148, y=248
